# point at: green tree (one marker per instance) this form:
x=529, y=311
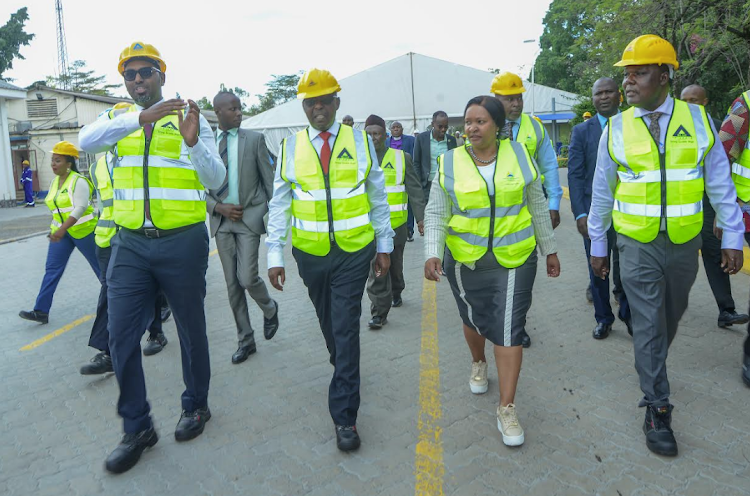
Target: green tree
x=280, y=90
x=12, y=38
x=83, y=81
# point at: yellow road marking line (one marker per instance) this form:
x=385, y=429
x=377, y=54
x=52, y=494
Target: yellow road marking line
x=566, y=193
x=429, y=468
x=52, y=335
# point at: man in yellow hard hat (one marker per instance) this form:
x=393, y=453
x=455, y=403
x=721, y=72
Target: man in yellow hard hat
x=166, y=158
x=508, y=88
x=27, y=181
x=330, y=188
x=655, y=161
x=586, y=116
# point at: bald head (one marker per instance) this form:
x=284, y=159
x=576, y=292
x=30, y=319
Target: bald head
x=348, y=120
x=228, y=110
x=605, y=96
x=694, y=94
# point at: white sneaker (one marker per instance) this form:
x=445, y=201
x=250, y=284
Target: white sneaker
x=478, y=381
x=507, y=424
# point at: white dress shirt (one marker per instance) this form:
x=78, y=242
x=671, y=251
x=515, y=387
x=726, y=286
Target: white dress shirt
x=279, y=215
x=718, y=185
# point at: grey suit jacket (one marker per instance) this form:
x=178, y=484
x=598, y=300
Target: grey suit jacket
x=255, y=183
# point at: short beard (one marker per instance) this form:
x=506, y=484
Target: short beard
x=142, y=99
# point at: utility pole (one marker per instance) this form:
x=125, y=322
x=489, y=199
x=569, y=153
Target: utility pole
x=62, y=49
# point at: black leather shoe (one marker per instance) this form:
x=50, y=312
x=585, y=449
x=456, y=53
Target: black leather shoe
x=377, y=323
x=242, y=353
x=154, y=344
x=270, y=326
x=128, y=452
x=746, y=370
x=658, y=430
x=525, y=340
x=410, y=237
x=166, y=312
x=347, y=438
x=601, y=331
x=589, y=295
x=397, y=302
x=100, y=364
x=727, y=318
x=34, y=315
x=191, y=424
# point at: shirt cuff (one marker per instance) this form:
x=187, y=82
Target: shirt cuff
x=731, y=240
x=384, y=245
x=275, y=257
x=132, y=120
x=554, y=202
x=582, y=216
x=599, y=248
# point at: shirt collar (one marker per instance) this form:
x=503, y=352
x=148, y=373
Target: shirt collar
x=397, y=139
x=232, y=132
x=139, y=107
x=432, y=138
x=665, y=108
x=313, y=133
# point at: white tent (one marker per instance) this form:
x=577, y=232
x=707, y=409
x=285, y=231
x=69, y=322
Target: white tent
x=409, y=89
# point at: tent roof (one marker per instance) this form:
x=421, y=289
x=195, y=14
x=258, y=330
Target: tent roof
x=386, y=89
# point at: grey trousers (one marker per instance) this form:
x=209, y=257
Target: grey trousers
x=383, y=290
x=238, y=250
x=657, y=278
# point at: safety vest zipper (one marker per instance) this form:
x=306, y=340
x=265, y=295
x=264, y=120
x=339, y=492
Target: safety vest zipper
x=329, y=205
x=146, y=198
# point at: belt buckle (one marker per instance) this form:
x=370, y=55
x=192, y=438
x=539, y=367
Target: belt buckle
x=151, y=232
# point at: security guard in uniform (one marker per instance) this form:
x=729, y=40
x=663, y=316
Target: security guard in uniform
x=655, y=161
x=165, y=158
x=331, y=189
x=403, y=187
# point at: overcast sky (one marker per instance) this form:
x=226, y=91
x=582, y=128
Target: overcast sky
x=243, y=43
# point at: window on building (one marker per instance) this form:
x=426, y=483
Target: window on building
x=84, y=162
x=40, y=109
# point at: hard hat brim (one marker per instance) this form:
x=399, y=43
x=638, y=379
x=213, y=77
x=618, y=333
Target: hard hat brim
x=321, y=92
x=626, y=63
x=511, y=92
x=123, y=62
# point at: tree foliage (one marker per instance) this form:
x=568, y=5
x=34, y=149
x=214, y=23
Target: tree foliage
x=281, y=89
x=83, y=81
x=12, y=38
x=582, y=40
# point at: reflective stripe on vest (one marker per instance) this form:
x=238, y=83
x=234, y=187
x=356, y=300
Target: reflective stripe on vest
x=175, y=194
x=477, y=217
x=105, y=227
x=60, y=203
x=333, y=208
x=741, y=168
x=530, y=134
x=394, y=169
x=639, y=205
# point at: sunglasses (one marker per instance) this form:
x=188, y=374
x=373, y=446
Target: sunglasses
x=325, y=100
x=144, y=72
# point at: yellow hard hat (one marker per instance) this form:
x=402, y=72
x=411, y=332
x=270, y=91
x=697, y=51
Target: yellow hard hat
x=65, y=148
x=586, y=114
x=140, y=49
x=507, y=83
x=649, y=49
x=317, y=82
x=25, y=162
x=122, y=105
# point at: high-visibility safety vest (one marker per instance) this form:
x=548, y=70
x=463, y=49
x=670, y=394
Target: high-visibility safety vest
x=654, y=186
x=333, y=208
x=741, y=168
x=60, y=203
x=155, y=171
x=478, y=220
x=394, y=168
x=105, y=226
x=531, y=134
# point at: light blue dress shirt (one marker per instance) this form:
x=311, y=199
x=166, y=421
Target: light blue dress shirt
x=716, y=176
x=280, y=206
x=233, y=192
x=437, y=148
x=546, y=160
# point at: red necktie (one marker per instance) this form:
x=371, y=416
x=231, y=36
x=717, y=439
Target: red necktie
x=325, y=152
x=148, y=131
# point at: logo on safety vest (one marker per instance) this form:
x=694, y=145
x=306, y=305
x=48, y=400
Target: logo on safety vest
x=682, y=133
x=388, y=166
x=170, y=125
x=345, y=155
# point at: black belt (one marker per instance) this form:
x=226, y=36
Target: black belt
x=152, y=232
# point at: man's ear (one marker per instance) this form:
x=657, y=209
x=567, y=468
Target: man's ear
x=338, y=102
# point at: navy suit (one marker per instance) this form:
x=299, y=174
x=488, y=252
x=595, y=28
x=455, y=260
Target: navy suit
x=584, y=146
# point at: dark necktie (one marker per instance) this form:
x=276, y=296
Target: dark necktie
x=508, y=130
x=654, y=128
x=224, y=190
x=325, y=152
x=148, y=131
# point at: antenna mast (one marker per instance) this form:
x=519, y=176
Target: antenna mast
x=62, y=49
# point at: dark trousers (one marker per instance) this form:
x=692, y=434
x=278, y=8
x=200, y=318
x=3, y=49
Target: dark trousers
x=335, y=284
x=383, y=290
x=600, y=287
x=410, y=219
x=99, y=338
x=139, y=266
x=28, y=193
x=721, y=287
x=58, y=255
x=747, y=341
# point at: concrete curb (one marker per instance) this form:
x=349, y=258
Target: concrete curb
x=21, y=238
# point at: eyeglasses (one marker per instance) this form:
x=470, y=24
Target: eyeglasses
x=325, y=100
x=144, y=72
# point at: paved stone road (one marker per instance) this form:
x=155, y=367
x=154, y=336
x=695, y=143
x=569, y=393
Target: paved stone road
x=271, y=433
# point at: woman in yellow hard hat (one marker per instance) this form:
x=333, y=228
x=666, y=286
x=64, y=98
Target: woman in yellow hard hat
x=73, y=223
x=486, y=215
